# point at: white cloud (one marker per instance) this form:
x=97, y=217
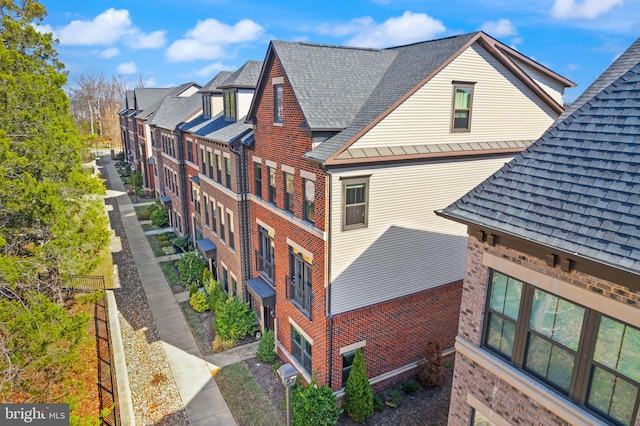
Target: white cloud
x=585, y=9
x=110, y=52
x=408, y=28
x=500, y=28
x=209, y=39
x=210, y=70
x=107, y=29
x=139, y=40
x=127, y=68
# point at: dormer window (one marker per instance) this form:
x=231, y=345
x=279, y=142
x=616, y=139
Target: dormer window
x=462, y=103
x=206, y=105
x=230, y=105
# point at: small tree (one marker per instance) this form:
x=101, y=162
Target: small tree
x=358, y=394
x=265, y=352
x=198, y=302
x=234, y=319
x=191, y=266
x=313, y=405
x=430, y=367
x=215, y=294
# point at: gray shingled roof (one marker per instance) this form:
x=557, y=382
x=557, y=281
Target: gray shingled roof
x=331, y=83
x=149, y=100
x=246, y=77
x=174, y=110
x=212, y=85
x=410, y=65
x=577, y=188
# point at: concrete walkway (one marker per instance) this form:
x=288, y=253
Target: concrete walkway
x=201, y=398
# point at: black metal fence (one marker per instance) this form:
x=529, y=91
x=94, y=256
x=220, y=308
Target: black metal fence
x=106, y=373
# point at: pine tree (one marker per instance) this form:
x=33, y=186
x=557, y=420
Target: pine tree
x=358, y=394
x=51, y=223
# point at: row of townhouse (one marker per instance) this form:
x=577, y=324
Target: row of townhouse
x=550, y=326
x=309, y=180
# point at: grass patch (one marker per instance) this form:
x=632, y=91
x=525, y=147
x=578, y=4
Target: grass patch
x=105, y=268
x=149, y=227
x=155, y=245
x=201, y=327
x=171, y=273
x=246, y=400
x=142, y=212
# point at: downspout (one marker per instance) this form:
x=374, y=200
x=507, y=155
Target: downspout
x=328, y=279
x=243, y=188
x=182, y=167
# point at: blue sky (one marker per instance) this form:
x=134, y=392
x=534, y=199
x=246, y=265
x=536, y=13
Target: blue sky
x=169, y=42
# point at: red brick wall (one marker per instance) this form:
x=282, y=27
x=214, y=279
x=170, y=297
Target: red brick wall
x=397, y=331
x=286, y=144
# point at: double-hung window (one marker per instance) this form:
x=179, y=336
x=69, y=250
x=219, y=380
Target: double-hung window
x=206, y=211
x=190, y=151
x=257, y=173
x=210, y=162
x=227, y=171
x=588, y=357
x=221, y=216
x=301, y=349
x=229, y=105
x=309, y=198
x=218, y=169
x=272, y=184
x=213, y=216
x=288, y=191
x=299, y=284
x=232, y=242
x=355, y=195
x=265, y=253
x=462, y=105
x=202, y=165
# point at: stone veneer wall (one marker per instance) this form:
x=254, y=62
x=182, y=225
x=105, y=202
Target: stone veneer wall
x=470, y=378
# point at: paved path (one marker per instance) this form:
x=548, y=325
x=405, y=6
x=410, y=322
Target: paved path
x=199, y=392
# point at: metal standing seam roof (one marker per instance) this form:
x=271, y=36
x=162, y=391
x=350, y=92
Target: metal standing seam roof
x=577, y=188
x=217, y=128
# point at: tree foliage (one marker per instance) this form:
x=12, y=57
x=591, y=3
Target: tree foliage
x=313, y=405
x=40, y=344
x=358, y=394
x=191, y=265
x=234, y=319
x=430, y=373
x=51, y=222
x=266, y=347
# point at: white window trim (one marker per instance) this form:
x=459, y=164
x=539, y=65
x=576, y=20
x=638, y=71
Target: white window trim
x=308, y=175
x=353, y=347
x=288, y=169
x=271, y=164
x=256, y=159
x=301, y=331
x=269, y=229
x=306, y=254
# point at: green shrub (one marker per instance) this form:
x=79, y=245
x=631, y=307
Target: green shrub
x=144, y=214
x=181, y=242
x=220, y=344
x=313, y=405
x=410, y=387
x=274, y=368
x=378, y=403
x=215, y=294
x=191, y=265
x=430, y=372
x=167, y=251
x=193, y=288
x=159, y=215
x=358, y=394
x=135, y=179
x=265, y=351
x=234, y=319
x=198, y=302
x=393, y=398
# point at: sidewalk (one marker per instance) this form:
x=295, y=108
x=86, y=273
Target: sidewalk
x=201, y=398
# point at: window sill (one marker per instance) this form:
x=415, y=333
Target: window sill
x=277, y=123
x=533, y=390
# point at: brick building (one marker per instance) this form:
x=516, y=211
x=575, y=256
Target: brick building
x=550, y=318
x=350, y=148
x=215, y=153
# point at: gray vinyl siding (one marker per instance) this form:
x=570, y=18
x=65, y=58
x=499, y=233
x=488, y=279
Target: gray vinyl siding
x=405, y=248
x=503, y=108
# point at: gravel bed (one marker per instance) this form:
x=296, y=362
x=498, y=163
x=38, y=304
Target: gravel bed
x=155, y=396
